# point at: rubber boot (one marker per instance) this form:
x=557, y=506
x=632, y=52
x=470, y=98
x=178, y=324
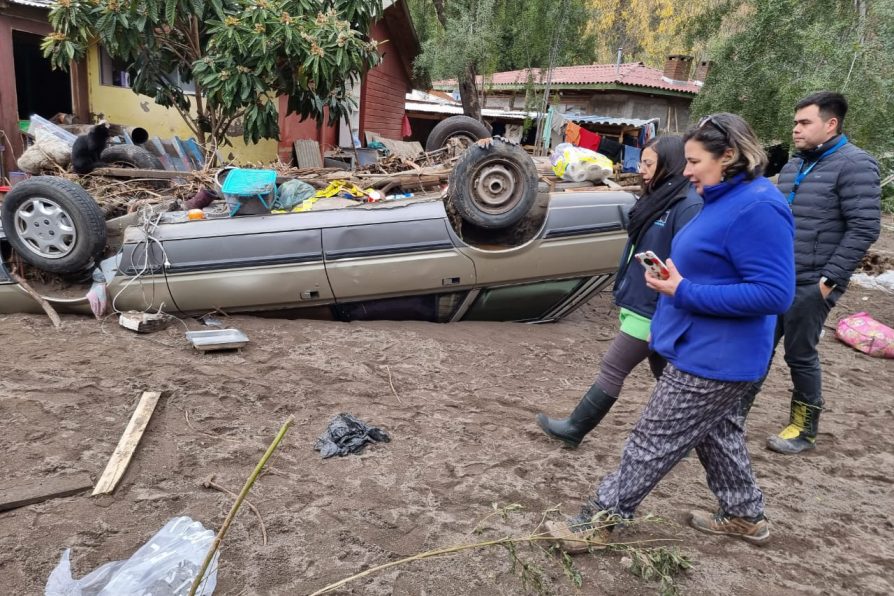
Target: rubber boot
x=800, y=434
x=592, y=408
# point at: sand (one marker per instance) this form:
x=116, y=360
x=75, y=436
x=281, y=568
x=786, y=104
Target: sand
x=459, y=402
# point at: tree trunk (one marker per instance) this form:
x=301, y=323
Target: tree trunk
x=468, y=92
x=439, y=10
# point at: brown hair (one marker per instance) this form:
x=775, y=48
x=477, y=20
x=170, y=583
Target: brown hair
x=722, y=131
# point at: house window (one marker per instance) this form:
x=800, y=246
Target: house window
x=114, y=73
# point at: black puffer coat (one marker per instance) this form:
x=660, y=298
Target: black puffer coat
x=837, y=213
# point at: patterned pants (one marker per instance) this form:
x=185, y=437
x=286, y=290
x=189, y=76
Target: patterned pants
x=685, y=412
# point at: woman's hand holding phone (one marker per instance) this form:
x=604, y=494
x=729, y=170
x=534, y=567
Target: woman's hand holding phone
x=666, y=286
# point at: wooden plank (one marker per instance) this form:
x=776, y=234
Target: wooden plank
x=137, y=173
x=308, y=153
x=41, y=490
x=127, y=444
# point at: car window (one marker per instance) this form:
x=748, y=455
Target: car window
x=434, y=308
x=527, y=302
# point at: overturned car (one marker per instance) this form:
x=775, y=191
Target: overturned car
x=496, y=246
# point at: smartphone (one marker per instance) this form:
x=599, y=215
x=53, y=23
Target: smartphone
x=653, y=264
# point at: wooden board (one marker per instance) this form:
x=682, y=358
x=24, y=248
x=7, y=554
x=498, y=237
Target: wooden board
x=137, y=173
x=41, y=490
x=308, y=153
x=127, y=444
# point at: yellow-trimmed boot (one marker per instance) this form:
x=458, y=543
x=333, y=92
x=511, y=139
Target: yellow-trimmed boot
x=800, y=434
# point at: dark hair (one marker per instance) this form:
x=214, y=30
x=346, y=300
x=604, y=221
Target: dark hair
x=671, y=159
x=722, y=131
x=830, y=105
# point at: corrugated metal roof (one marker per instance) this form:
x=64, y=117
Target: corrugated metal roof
x=635, y=74
x=413, y=106
x=432, y=108
x=35, y=3
x=609, y=120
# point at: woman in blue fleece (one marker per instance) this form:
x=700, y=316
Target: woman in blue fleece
x=731, y=273
x=668, y=203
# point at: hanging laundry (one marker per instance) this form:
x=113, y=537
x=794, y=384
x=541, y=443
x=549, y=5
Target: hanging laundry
x=406, y=130
x=611, y=148
x=589, y=140
x=572, y=133
x=556, y=136
x=631, y=159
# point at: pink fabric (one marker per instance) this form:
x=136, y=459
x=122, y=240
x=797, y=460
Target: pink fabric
x=406, y=130
x=862, y=332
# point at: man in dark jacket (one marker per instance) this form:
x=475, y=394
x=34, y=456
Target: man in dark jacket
x=834, y=192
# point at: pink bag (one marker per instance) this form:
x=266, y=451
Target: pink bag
x=862, y=332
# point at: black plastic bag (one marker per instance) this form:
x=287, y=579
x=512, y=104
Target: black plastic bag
x=347, y=434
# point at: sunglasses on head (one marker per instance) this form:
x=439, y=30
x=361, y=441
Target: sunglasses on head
x=713, y=122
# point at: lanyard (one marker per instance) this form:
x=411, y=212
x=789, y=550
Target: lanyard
x=802, y=173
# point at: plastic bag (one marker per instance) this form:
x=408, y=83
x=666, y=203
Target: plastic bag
x=861, y=332
x=292, y=193
x=347, y=434
x=578, y=164
x=165, y=566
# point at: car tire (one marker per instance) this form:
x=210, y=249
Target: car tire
x=131, y=156
x=54, y=225
x=493, y=186
x=464, y=128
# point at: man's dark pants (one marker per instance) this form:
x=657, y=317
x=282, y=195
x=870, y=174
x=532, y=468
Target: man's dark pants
x=800, y=328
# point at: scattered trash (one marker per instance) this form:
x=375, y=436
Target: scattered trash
x=203, y=198
x=217, y=339
x=210, y=321
x=347, y=434
x=165, y=566
x=861, y=332
x=144, y=322
x=883, y=282
x=578, y=164
x=292, y=193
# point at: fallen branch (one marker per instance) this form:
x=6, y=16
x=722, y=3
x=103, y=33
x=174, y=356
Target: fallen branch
x=46, y=306
x=200, y=577
x=209, y=483
x=393, y=390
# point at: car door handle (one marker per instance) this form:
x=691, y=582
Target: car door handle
x=310, y=295
x=450, y=281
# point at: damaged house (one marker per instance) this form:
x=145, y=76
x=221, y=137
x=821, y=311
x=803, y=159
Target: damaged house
x=99, y=87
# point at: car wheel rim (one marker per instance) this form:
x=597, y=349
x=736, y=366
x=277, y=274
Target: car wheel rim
x=497, y=187
x=45, y=228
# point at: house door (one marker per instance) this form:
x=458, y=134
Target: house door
x=39, y=89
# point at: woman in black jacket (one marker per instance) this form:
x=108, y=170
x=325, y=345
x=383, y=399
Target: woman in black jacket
x=666, y=205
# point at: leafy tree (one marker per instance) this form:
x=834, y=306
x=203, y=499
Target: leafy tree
x=645, y=30
x=240, y=54
x=462, y=39
x=782, y=50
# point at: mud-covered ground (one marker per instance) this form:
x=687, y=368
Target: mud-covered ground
x=459, y=402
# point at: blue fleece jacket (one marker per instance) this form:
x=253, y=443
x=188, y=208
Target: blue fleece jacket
x=737, y=261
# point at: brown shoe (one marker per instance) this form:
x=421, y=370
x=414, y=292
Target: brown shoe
x=755, y=531
x=575, y=540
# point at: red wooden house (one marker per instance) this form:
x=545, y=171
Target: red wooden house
x=381, y=95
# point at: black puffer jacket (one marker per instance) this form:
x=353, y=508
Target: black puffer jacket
x=837, y=213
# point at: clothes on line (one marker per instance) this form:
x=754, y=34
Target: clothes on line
x=572, y=133
x=589, y=140
x=631, y=159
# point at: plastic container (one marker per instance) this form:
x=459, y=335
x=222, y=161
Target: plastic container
x=38, y=122
x=249, y=192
